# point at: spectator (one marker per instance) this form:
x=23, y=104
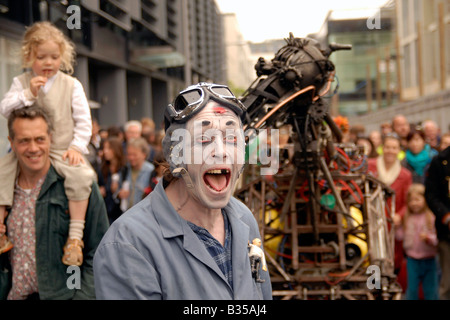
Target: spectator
x=158, y=140
x=112, y=166
x=401, y=126
x=94, y=146
x=432, y=133
x=420, y=243
x=116, y=131
x=377, y=140
x=38, y=223
x=148, y=128
x=356, y=131
x=133, y=130
x=388, y=169
x=157, y=174
x=369, y=149
x=138, y=173
x=437, y=194
x=103, y=133
x=418, y=155
x=148, y=133
x=176, y=244
x=385, y=128
x=445, y=141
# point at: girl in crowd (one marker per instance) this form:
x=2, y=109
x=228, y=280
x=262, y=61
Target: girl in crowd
x=112, y=166
x=420, y=243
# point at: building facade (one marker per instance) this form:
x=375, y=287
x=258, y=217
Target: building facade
x=366, y=74
x=422, y=37
x=239, y=63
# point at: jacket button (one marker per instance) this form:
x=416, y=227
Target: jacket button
x=444, y=162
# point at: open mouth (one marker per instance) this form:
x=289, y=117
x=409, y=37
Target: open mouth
x=217, y=179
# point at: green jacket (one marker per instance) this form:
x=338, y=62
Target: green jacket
x=55, y=279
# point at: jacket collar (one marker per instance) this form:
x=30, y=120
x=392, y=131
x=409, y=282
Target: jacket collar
x=50, y=179
x=168, y=219
x=172, y=225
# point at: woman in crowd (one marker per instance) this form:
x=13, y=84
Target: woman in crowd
x=418, y=155
x=137, y=177
x=112, y=165
x=369, y=149
x=387, y=169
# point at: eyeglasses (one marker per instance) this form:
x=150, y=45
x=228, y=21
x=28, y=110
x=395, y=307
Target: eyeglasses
x=191, y=100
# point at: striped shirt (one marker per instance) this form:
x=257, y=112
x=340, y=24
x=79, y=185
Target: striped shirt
x=220, y=254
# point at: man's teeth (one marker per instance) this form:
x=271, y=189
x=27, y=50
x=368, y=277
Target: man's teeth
x=218, y=171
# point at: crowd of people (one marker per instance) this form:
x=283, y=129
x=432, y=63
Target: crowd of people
x=411, y=158
x=127, y=160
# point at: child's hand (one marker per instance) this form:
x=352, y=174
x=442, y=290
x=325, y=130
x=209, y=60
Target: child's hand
x=397, y=220
x=2, y=228
x=423, y=236
x=102, y=191
x=36, y=83
x=74, y=156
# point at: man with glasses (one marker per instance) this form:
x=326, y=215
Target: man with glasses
x=189, y=238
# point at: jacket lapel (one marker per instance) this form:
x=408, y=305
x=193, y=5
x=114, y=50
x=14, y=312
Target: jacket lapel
x=239, y=252
x=51, y=178
x=196, y=248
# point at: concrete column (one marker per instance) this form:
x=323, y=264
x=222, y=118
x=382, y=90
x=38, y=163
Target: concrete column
x=139, y=97
x=159, y=101
x=81, y=72
x=112, y=94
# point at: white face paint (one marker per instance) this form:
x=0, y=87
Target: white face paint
x=217, y=153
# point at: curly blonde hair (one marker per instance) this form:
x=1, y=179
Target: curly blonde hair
x=43, y=31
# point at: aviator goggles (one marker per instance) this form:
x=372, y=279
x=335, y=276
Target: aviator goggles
x=191, y=100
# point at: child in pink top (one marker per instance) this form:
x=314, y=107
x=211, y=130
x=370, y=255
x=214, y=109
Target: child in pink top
x=420, y=244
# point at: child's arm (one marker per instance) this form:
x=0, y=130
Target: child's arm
x=17, y=97
x=430, y=236
x=81, y=114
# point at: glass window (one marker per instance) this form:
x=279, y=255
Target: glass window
x=10, y=66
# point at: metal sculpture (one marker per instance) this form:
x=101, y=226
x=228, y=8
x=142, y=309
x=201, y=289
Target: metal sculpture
x=326, y=224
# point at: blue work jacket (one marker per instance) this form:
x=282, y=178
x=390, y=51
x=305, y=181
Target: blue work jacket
x=150, y=252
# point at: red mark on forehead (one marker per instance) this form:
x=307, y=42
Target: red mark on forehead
x=219, y=109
